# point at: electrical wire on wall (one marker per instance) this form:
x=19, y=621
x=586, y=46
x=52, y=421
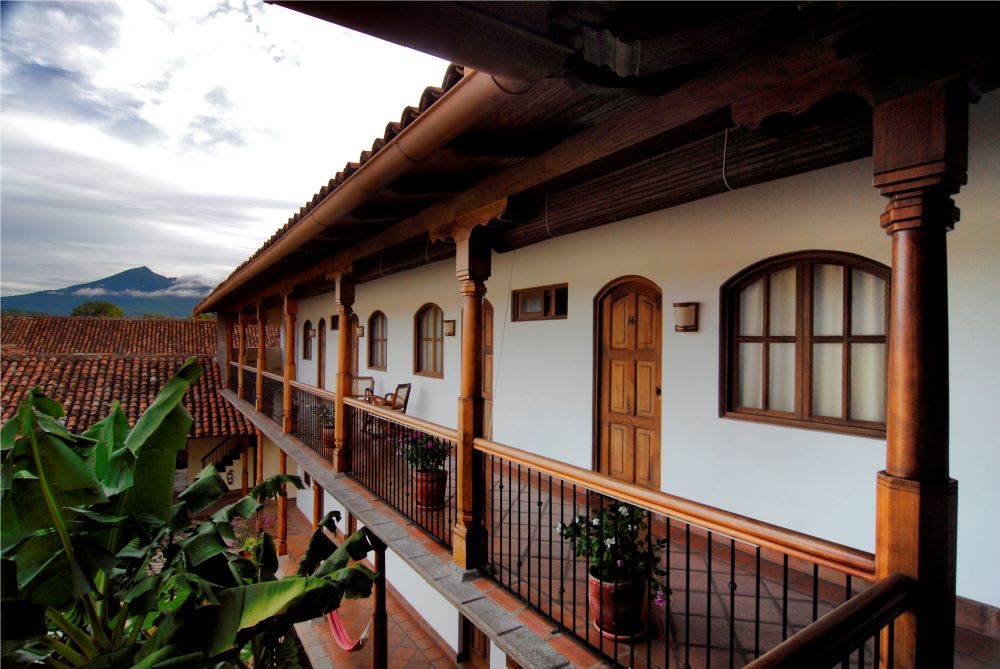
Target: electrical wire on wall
x=498, y=358
x=725, y=149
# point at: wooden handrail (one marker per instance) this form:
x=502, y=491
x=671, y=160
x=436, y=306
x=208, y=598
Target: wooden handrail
x=835, y=556
x=427, y=427
x=273, y=376
x=833, y=637
x=325, y=394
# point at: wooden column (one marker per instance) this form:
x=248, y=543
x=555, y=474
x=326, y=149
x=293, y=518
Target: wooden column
x=290, y=308
x=472, y=266
x=317, y=504
x=379, y=634
x=243, y=354
x=229, y=352
x=920, y=158
x=345, y=300
x=282, y=539
x=260, y=456
x=245, y=479
x=261, y=354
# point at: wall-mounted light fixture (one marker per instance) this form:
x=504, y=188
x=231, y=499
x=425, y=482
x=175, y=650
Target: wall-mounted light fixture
x=449, y=328
x=360, y=330
x=335, y=322
x=685, y=316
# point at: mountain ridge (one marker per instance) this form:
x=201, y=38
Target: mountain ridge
x=137, y=291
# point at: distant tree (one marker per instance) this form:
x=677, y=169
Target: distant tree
x=206, y=317
x=154, y=316
x=10, y=311
x=98, y=308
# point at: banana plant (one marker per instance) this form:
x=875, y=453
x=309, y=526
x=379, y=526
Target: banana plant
x=102, y=570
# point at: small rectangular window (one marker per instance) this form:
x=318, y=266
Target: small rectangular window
x=541, y=303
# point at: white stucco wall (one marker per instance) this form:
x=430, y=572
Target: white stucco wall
x=814, y=482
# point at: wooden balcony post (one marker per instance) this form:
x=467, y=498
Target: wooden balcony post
x=243, y=354
x=245, y=478
x=290, y=308
x=317, y=504
x=345, y=301
x=920, y=161
x=282, y=539
x=228, y=324
x=260, y=457
x=472, y=267
x=261, y=354
x=380, y=618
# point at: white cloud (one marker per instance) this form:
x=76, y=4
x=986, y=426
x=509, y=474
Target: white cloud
x=178, y=135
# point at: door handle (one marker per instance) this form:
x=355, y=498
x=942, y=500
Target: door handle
x=658, y=393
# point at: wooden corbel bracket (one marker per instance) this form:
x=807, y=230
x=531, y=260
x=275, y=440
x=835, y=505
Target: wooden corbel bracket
x=460, y=228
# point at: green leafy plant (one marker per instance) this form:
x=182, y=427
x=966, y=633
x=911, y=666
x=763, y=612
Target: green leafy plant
x=101, y=569
x=101, y=308
x=324, y=413
x=617, y=543
x=423, y=452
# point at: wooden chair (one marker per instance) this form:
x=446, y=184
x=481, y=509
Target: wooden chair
x=398, y=400
x=363, y=387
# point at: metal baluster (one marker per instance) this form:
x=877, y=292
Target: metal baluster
x=551, y=613
x=687, y=596
x=847, y=595
x=815, y=610
x=784, y=599
x=756, y=616
x=732, y=601
x=708, y=615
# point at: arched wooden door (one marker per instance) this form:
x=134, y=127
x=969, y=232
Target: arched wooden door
x=487, y=369
x=354, y=345
x=321, y=354
x=628, y=346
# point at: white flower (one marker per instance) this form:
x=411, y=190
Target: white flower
x=595, y=522
x=623, y=509
x=559, y=528
x=610, y=542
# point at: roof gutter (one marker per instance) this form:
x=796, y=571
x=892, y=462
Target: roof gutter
x=459, y=109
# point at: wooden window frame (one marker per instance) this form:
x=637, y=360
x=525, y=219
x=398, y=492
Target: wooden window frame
x=729, y=340
x=307, y=335
x=438, y=342
x=378, y=346
x=548, y=297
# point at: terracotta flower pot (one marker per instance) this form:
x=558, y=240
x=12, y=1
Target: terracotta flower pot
x=430, y=488
x=328, y=438
x=616, y=607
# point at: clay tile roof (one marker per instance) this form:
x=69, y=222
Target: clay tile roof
x=85, y=363
x=63, y=334
x=431, y=94
x=86, y=385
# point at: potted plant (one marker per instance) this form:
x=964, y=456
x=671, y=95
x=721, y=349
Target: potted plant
x=325, y=414
x=623, y=557
x=427, y=455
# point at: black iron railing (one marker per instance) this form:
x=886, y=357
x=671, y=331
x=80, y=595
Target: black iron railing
x=273, y=396
x=250, y=384
x=225, y=452
x=408, y=463
x=715, y=595
x=312, y=418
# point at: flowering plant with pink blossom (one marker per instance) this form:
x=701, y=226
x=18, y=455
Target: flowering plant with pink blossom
x=618, y=544
x=423, y=452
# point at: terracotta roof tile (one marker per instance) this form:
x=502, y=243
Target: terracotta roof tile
x=86, y=384
x=85, y=363
x=32, y=335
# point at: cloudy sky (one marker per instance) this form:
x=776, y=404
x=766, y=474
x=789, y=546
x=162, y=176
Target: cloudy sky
x=176, y=135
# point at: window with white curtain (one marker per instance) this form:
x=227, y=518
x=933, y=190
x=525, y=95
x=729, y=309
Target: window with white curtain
x=804, y=342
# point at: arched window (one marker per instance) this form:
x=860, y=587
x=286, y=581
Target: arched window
x=429, y=341
x=377, y=339
x=803, y=342
x=307, y=340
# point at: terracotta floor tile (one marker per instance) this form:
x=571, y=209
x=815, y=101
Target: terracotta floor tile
x=574, y=651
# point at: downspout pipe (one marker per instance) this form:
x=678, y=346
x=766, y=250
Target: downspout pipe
x=459, y=109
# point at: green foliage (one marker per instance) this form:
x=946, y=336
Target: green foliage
x=99, y=569
x=617, y=542
x=101, y=308
x=424, y=452
x=324, y=413
x=155, y=316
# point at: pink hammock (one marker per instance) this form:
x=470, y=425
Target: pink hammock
x=340, y=634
